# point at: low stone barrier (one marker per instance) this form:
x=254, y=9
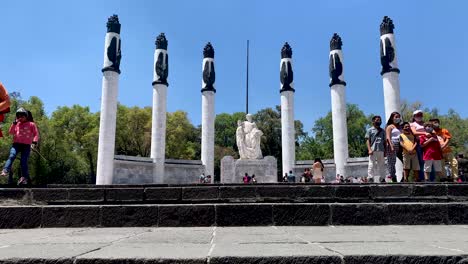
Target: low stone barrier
x=247, y=214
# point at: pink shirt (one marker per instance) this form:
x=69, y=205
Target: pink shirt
x=24, y=133
x=417, y=127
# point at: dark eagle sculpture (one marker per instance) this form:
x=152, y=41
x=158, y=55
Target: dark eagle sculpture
x=387, y=55
x=114, y=54
x=209, y=76
x=336, y=69
x=286, y=72
x=286, y=75
x=162, y=67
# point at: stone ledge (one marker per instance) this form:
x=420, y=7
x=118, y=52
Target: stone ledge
x=300, y=259
x=260, y=193
x=247, y=214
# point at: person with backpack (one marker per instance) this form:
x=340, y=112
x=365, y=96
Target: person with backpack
x=25, y=136
x=375, y=141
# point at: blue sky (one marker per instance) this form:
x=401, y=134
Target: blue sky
x=54, y=50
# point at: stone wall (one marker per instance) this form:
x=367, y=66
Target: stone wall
x=139, y=170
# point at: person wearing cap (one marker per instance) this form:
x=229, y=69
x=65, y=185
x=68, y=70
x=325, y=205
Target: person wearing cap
x=24, y=134
x=4, y=104
x=444, y=137
x=418, y=130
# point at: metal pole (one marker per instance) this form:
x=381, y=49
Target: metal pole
x=247, y=82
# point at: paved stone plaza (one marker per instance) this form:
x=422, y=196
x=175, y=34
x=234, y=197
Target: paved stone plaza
x=330, y=244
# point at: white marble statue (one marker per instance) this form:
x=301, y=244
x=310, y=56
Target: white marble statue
x=248, y=139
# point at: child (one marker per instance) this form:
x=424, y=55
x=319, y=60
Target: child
x=24, y=134
x=410, y=158
x=375, y=139
x=432, y=152
x=444, y=138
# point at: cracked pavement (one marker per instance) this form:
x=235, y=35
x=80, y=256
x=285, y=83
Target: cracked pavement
x=237, y=244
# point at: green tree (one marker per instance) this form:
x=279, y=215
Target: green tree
x=182, y=138
x=268, y=120
x=77, y=130
x=321, y=143
x=133, y=132
x=225, y=129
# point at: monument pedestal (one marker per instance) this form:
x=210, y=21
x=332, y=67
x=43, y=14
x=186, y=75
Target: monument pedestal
x=232, y=170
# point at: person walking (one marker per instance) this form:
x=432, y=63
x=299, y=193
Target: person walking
x=317, y=170
x=375, y=141
x=25, y=137
x=392, y=132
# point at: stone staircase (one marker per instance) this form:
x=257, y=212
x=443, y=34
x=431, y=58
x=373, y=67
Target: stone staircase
x=234, y=205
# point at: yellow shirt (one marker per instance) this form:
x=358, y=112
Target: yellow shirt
x=407, y=141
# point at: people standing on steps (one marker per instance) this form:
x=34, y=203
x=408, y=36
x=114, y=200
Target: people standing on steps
x=375, y=141
x=417, y=127
x=432, y=153
x=317, y=170
x=392, y=131
x=444, y=137
x=410, y=159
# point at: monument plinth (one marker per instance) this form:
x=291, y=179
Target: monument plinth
x=233, y=170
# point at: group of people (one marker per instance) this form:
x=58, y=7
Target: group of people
x=314, y=174
x=424, y=147
x=247, y=179
x=25, y=137
x=204, y=179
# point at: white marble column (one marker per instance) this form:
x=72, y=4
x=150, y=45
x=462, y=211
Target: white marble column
x=390, y=76
x=390, y=72
x=288, y=132
x=208, y=110
x=110, y=87
x=338, y=105
x=158, y=125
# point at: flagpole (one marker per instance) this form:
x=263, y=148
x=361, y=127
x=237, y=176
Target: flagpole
x=247, y=82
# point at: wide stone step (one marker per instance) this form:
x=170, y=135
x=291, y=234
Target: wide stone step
x=230, y=214
x=247, y=245
x=265, y=193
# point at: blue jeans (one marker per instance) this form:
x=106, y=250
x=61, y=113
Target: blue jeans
x=25, y=150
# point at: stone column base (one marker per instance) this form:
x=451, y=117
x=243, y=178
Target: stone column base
x=232, y=170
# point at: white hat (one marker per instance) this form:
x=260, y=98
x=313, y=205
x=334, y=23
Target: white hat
x=417, y=112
